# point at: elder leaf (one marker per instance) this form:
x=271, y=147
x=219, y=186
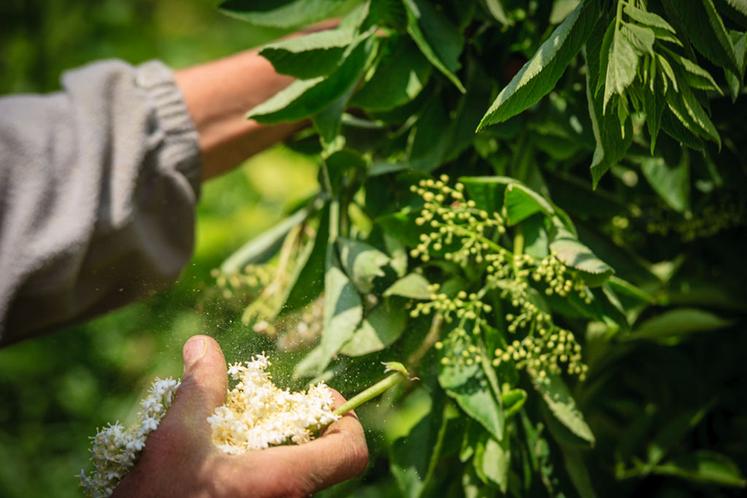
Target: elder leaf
x=540, y=74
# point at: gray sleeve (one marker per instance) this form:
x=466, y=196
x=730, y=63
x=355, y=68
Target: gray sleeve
x=98, y=185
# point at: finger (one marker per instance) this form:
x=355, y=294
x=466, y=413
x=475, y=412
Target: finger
x=203, y=387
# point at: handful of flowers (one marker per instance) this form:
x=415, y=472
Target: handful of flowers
x=115, y=449
x=257, y=414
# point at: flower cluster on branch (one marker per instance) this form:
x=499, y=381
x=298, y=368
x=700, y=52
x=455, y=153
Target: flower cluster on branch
x=463, y=234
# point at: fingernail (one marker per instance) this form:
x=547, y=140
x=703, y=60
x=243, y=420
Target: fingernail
x=194, y=349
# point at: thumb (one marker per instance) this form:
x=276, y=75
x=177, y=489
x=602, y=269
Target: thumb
x=203, y=387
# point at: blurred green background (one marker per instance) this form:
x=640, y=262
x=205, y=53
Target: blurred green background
x=56, y=390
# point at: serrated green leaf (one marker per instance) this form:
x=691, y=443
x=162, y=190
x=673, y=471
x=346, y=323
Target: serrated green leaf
x=696, y=76
x=378, y=330
x=414, y=286
x=469, y=387
x=540, y=74
x=282, y=13
x=309, y=56
x=304, y=98
x=673, y=126
x=362, y=262
x=555, y=394
x=677, y=323
x=611, y=141
x=521, y=202
x=660, y=27
x=436, y=36
x=653, y=106
x=598, y=54
x=705, y=29
x=576, y=255
x=686, y=108
x=622, y=66
x=647, y=18
x=477, y=402
x=398, y=78
x=667, y=72
x=640, y=37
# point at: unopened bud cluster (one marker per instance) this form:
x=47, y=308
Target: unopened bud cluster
x=458, y=349
x=461, y=233
x=250, y=281
x=464, y=307
x=559, y=279
x=710, y=221
x=549, y=351
x=115, y=449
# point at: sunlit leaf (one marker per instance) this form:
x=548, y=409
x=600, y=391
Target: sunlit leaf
x=540, y=74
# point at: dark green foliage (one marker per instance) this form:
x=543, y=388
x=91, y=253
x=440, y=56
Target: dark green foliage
x=591, y=215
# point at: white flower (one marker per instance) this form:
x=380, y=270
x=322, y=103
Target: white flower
x=258, y=414
x=115, y=449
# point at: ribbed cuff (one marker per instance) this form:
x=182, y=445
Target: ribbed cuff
x=180, y=146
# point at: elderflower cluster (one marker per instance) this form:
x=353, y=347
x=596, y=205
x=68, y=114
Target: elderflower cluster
x=727, y=214
x=464, y=307
x=458, y=349
x=115, y=449
x=258, y=414
x=461, y=233
x=250, y=280
x=545, y=353
x=558, y=279
x=458, y=227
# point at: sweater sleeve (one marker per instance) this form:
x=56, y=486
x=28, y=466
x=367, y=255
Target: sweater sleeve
x=98, y=186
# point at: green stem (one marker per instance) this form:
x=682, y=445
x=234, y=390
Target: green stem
x=371, y=392
x=430, y=339
x=518, y=244
x=618, y=15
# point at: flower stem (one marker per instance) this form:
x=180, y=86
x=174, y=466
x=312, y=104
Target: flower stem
x=400, y=374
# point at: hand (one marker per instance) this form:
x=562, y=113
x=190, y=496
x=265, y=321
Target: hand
x=180, y=460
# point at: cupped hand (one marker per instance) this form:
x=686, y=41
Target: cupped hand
x=180, y=460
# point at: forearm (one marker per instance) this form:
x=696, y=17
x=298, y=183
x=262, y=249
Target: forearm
x=218, y=95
